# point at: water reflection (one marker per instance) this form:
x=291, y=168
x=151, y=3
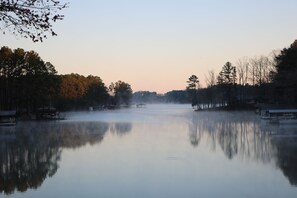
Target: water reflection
x=235, y=136
x=29, y=153
x=121, y=128
x=32, y=152
x=195, y=130
x=25, y=163
x=286, y=157
x=245, y=136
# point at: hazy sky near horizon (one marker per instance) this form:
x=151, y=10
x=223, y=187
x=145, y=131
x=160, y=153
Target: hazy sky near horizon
x=156, y=45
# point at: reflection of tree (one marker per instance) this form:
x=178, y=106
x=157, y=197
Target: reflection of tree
x=195, y=131
x=79, y=134
x=228, y=139
x=32, y=153
x=236, y=133
x=246, y=137
x=287, y=158
x=121, y=128
x=26, y=162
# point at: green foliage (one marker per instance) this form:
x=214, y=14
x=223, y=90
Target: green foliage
x=77, y=91
x=26, y=81
x=121, y=93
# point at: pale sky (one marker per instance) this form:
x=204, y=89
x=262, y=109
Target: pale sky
x=156, y=45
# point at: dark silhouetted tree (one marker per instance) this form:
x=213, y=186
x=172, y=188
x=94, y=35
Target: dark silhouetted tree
x=26, y=81
x=193, y=85
x=210, y=90
x=226, y=81
x=147, y=97
x=177, y=96
x=285, y=76
x=30, y=18
x=121, y=93
x=97, y=92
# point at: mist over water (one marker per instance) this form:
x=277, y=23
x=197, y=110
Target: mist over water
x=155, y=151
x=148, y=113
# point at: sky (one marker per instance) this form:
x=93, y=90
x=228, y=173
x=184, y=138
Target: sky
x=156, y=45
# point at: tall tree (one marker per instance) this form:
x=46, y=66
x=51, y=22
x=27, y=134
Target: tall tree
x=227, y=83
x=286, y=72
x=243, y=68
x=26, y=81
x=229, y=74
x=30, y=18
x=210, y=90
x=261, y=67
x=210, y=79
x=193, y=85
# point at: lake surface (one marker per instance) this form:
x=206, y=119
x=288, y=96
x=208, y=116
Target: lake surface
x=157, y=151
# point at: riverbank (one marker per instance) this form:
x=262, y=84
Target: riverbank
x=237, y=107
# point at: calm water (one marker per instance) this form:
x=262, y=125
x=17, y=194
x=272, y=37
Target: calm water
x=158, y=151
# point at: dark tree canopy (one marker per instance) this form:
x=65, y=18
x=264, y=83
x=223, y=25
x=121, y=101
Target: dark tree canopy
x=147, y=97
x=193, y=85
x=26, y=81
x=77, y=91
x=286, y=72
x=30, y=18
x=193, y=82
x=228, y=74
x=122, y=93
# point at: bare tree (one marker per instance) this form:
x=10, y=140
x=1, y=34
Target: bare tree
x=243, y=70
x=210, y=79
x=261, y=67
x=252, y=71
x=30, y=18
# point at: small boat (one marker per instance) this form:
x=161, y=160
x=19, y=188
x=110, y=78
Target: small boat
x=7, y=118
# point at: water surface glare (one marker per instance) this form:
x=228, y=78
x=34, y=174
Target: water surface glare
x=158, y=151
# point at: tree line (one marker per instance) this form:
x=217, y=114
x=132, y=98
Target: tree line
x=263, y=79
x=174, y=96
x=28, y=83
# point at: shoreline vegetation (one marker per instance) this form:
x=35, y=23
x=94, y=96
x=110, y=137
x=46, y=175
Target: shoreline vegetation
x=27, y=84
x=238, y=107
x=253, y=83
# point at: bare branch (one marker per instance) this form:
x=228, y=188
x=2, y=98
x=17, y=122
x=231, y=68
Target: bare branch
x=30, y=18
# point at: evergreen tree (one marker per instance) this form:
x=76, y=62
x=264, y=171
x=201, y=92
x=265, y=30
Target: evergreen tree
x=285, y=76
x=227, y=83
x=193, y=85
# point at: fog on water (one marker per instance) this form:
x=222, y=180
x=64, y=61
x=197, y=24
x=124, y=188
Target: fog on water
x=153, y=151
